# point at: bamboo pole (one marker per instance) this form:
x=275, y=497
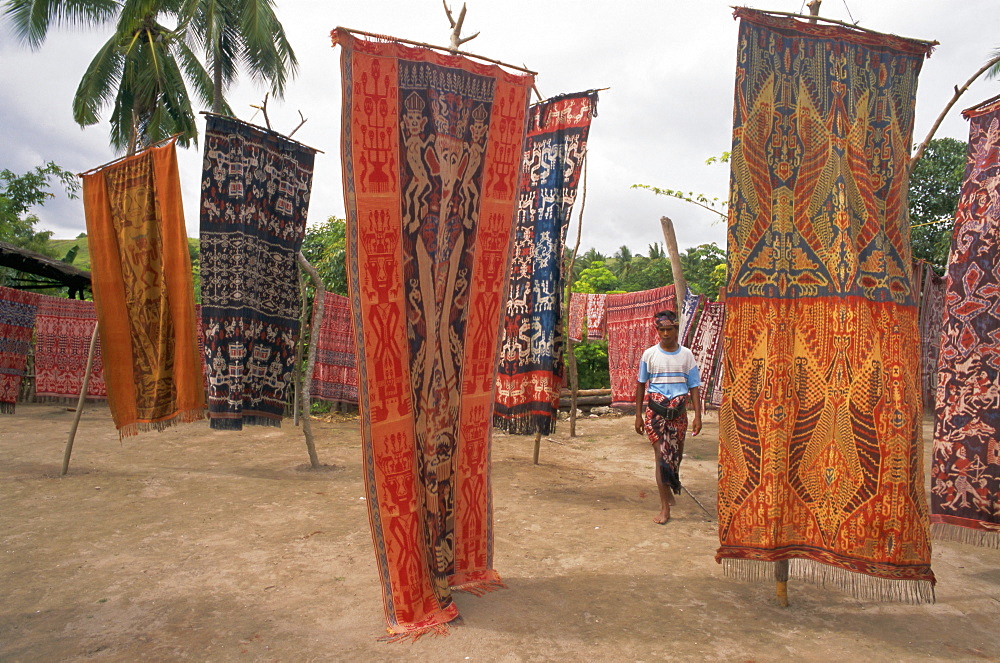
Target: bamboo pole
x=79, y=404
x=317, y=317
x=781, y=582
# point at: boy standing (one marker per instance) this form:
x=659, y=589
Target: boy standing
x=672, y=374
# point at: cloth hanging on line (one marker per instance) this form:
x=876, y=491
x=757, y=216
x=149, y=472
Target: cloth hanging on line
x=597, y=321
x=577, y=316
x=931, y=320
x=17, y=323
x=965, y=468
x=431, y=149
x=254, y=200
x=706, y=344
x=630, y=332
x=820, y=419
x=530, y=372
x=63, y=329
x=335, y=376
x=143, y=291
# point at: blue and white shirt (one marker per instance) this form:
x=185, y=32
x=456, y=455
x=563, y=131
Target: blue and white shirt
x=669, y=373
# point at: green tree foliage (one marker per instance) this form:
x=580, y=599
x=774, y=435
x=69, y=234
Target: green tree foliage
x=22, y=192
x=596, y=279
x=935, y=183
x=325, y=247
x=699, y=265
x=592, y=365
x=144, y=69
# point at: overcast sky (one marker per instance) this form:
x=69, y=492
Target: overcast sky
x=669, y=65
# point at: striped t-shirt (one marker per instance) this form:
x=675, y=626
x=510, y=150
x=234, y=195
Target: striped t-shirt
x=669, y=373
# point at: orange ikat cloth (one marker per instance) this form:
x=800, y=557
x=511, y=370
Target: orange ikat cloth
x=142, y=283
x=431, y=148
x=820, y=460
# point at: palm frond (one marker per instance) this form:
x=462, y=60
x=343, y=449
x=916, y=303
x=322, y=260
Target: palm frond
x=31, y=19
x=97, y=87
x=994, y=71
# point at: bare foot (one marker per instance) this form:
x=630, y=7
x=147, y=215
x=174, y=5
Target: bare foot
x=662, y=518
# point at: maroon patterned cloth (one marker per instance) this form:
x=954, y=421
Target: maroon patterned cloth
x=577, y=315
x=931, y=319
x=63, y=328
x=335, y=376
x=706, y=345
x=17, y=321
x=965, y=471
x=630, y=332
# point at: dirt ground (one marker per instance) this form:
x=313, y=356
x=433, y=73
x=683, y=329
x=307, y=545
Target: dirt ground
x=211, y=545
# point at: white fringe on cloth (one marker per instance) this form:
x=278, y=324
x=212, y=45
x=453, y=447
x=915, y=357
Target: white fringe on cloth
x=972, y=537
x=859, y=585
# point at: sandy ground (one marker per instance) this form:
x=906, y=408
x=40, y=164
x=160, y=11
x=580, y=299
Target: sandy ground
x=218, y=546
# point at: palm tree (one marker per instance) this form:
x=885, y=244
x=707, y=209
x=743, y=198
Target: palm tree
x=145, y=67
x=231, y=32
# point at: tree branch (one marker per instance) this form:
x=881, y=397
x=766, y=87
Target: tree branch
x=937, y=123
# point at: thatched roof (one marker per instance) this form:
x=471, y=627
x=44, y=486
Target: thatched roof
x=57, y=272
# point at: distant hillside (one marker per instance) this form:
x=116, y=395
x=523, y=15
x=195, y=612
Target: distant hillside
x=82, y=260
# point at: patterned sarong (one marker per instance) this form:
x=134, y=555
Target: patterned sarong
x=667, y=435
x=965, y=472
x=530, y=373
x=254, y=199
x=820, y=459
x=432, y=149
x=335, y=376
x=143, y=291
x=17, y=322
x=62, y=341
x=630, y=332
x=577, y=316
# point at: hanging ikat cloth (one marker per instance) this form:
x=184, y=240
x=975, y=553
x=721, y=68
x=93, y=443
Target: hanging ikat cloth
x=335, y=377
x=530, y=374
x=17, y=323
x=965, y=469
x=143, y=291
x=431, y=150
x=630, y=333
x=63, y=329
x=254, y=199
x=820, y=460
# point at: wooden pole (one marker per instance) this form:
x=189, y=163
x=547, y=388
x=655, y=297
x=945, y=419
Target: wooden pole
x=574, y=376
x=538, y=445
x=680, y=285
x=297, y=373
x=781, y=582
x=79, y=404
x=317, y=318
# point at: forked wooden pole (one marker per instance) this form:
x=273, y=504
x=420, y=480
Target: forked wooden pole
x=79, y=404
x=680, y=285
x=574, y=376
x=317, y=319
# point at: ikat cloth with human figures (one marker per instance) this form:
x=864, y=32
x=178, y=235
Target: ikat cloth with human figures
x=335, y=376
x=17, y=323
x=63, y=328
x=432, y=147
x=630, y=331
x=254, y=199
x=965, y=468
x=931, y=320
x=820, y=459
x=530, y=373
x=142, y=284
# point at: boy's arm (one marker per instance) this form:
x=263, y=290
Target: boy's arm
x=696, y=424
x=640, y=396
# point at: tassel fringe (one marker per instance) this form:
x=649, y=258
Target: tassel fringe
x=184, y=417
x=415, y=634
x=6, y=408
x=525, y=425
x=858, y=585
x=967, y=535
